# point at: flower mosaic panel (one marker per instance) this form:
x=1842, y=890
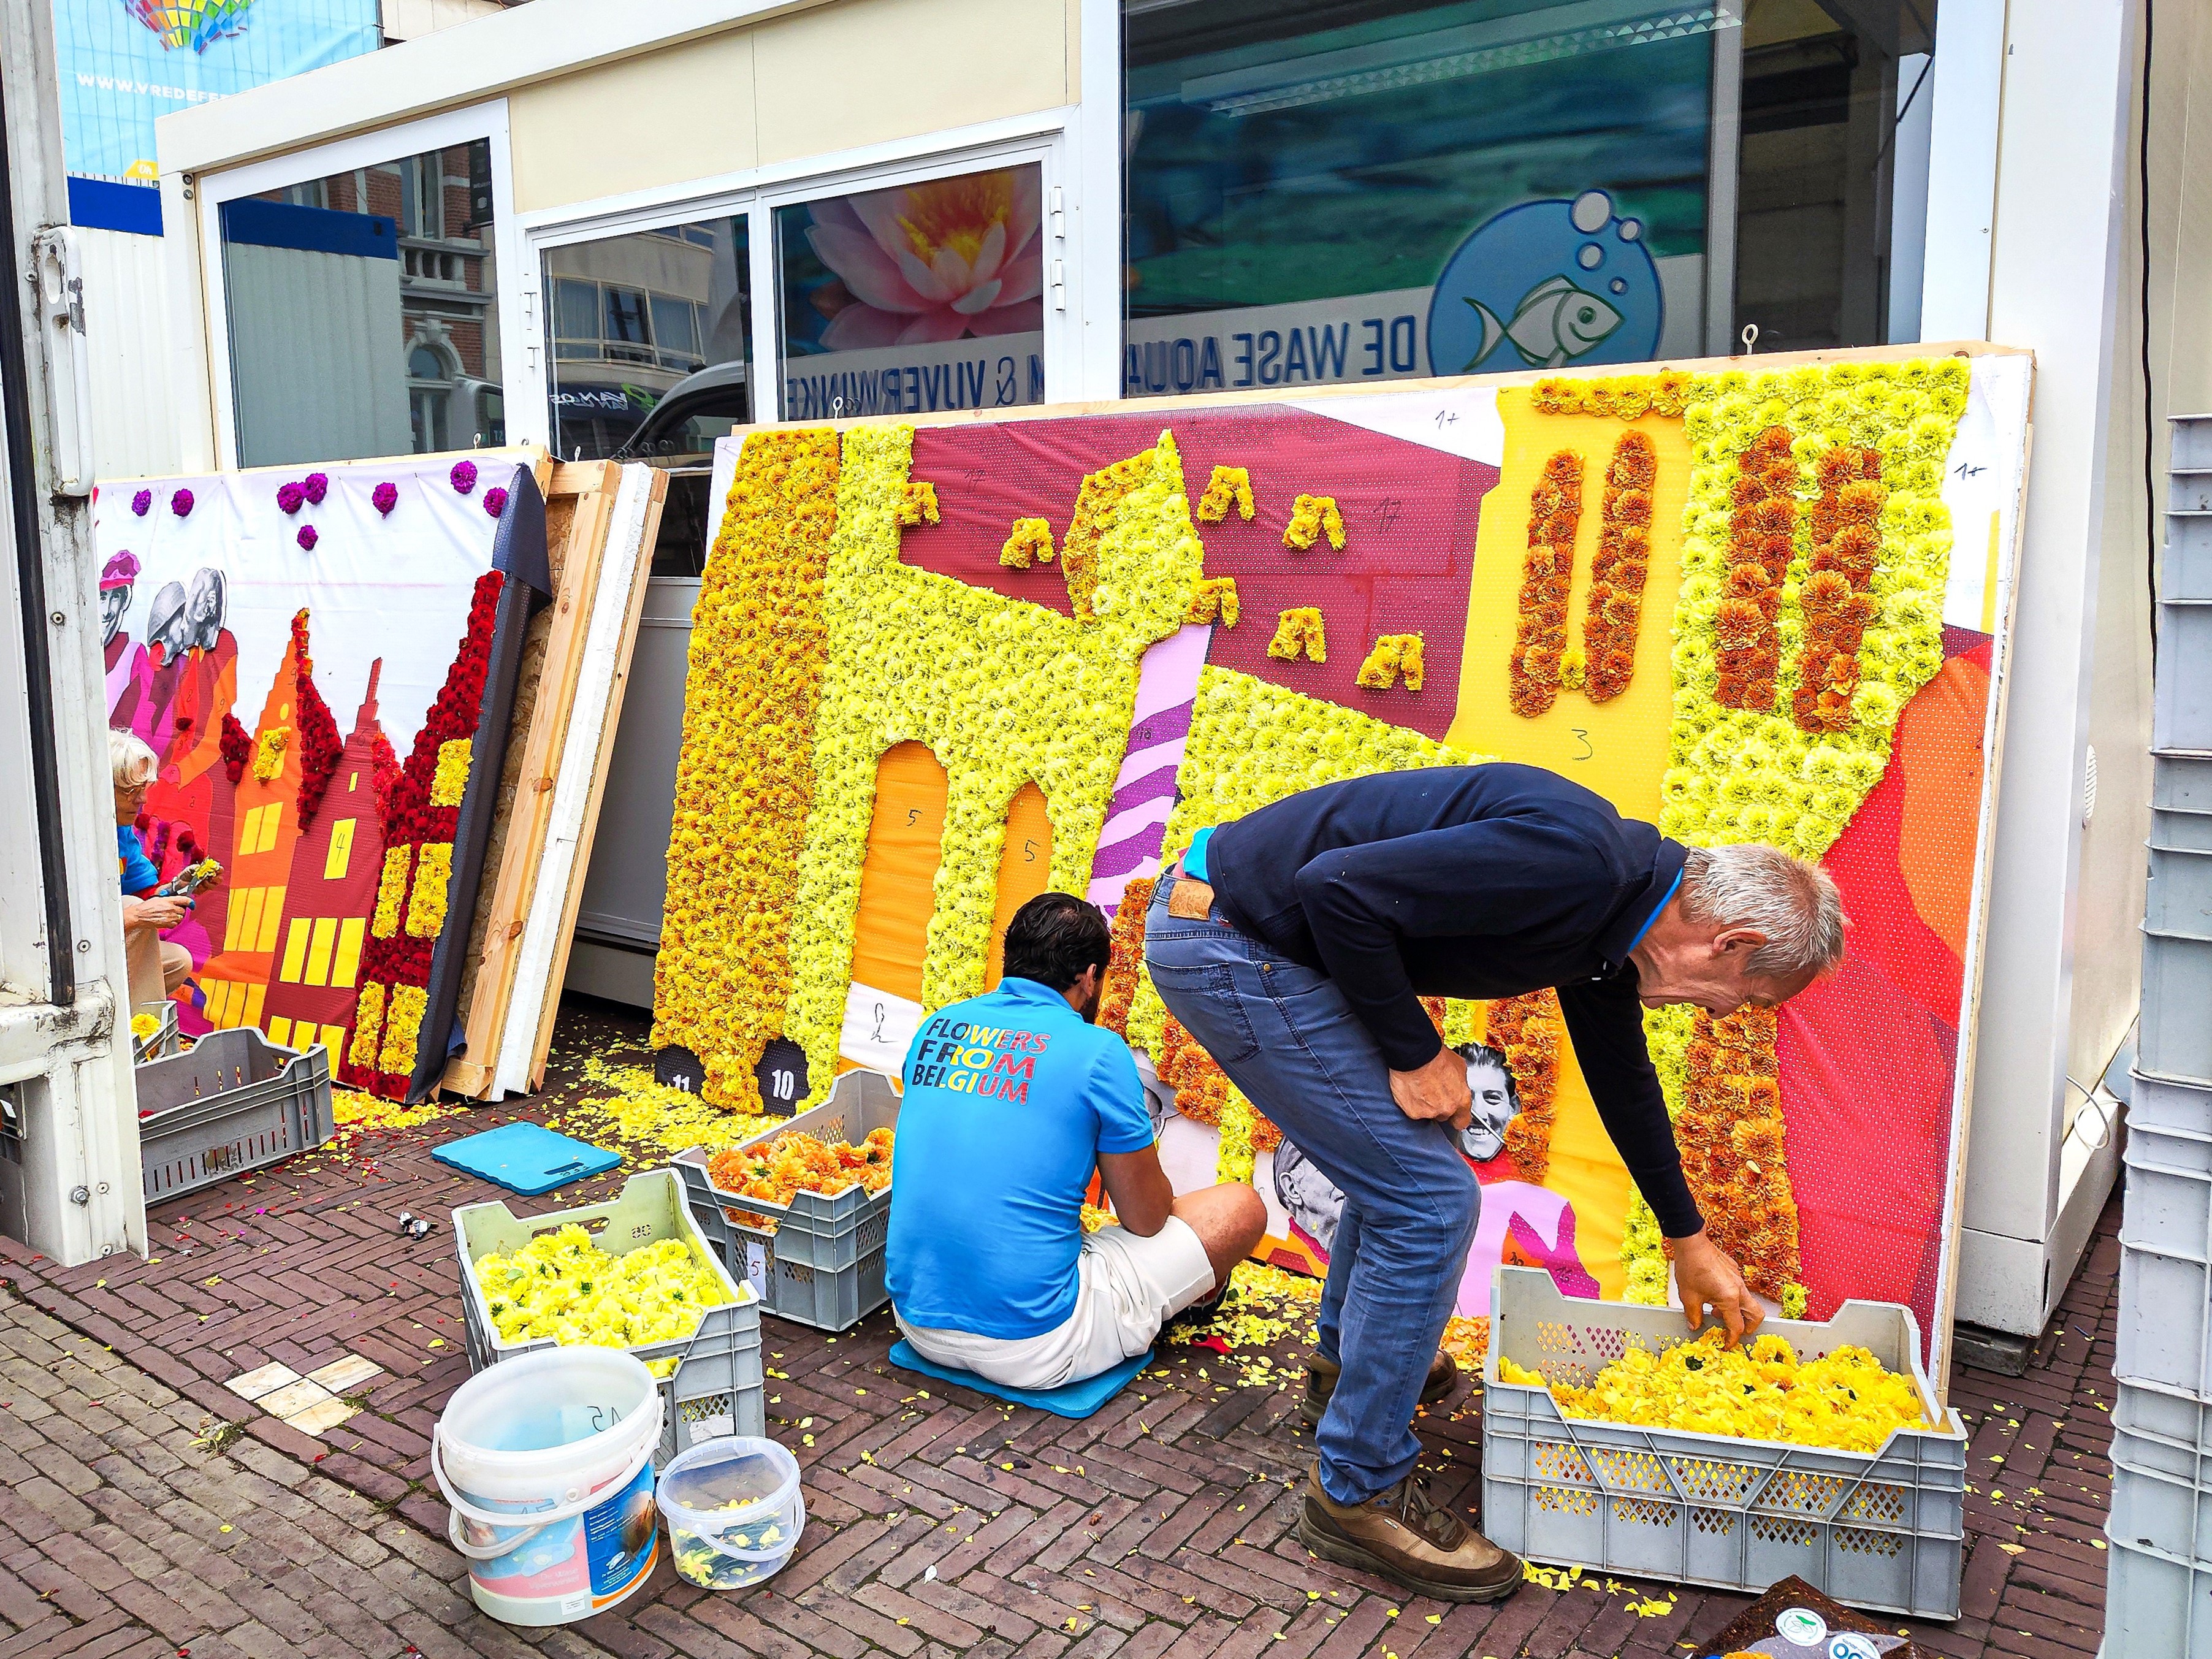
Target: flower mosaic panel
x=372, y=635
x=1747, y=603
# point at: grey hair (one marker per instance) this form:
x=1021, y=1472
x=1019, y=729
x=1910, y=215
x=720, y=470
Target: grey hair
x=1794, y=903
x=129, y=759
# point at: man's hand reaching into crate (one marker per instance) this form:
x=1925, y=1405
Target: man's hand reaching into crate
x=1706, y=1276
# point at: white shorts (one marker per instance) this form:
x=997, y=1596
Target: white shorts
x=1127, y=1288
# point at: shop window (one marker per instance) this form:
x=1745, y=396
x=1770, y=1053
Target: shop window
x=650, y=343
x=924, y=296
x=1346, y=191
x=332, y=288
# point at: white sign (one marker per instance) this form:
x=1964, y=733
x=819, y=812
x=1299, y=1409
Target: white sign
x=997, y=373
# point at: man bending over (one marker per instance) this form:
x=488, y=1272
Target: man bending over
x=1013, y=1098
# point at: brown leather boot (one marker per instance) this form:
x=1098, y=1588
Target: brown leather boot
x=1321, y=1383
x=1399, y=1533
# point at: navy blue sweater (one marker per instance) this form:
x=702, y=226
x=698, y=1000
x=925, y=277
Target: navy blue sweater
x=1480, y=881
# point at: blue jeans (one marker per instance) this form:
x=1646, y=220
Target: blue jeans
x=1287, y=1036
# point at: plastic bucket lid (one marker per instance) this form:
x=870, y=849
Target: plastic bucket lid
x=548, y=1427
x=731, y=1485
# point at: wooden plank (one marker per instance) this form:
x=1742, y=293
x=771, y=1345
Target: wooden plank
x=575, y=898
x=592, y=486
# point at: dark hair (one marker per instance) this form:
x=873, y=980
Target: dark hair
x=1053, y=938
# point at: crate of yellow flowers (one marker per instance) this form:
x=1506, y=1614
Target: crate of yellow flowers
x=635, y=1273
x=1613, y=1439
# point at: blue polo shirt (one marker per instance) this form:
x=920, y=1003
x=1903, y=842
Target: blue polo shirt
x=1010, y=1098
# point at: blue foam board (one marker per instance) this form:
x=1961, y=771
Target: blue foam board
x=1075, y=1400
x=527, y=1158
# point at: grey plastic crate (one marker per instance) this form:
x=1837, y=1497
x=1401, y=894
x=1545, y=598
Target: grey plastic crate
x=822, y=1263
x=2186, y=572
x=1880, y=1530
x=2156, y=1605
x=2167, y=1414
x=2181, y=783
x=163, y=1043
x=2160, y=1500
x=2177, y=900
x=2166, y=1259
x=2181, y=702
x=2188, y=831
x=2176, y=1039
x=2161, y=1105
x=718, y=1387
x=233, y=1101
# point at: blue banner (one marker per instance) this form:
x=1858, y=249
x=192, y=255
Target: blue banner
x=125, y=62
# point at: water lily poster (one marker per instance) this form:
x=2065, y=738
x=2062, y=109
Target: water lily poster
x=937, y=668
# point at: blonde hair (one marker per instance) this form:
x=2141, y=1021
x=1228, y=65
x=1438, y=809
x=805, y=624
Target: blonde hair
x=1794, y=903
x=130, y=760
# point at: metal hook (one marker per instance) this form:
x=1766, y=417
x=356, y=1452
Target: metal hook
x=1750, y=338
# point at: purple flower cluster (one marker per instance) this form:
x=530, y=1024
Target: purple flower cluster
x=308, y=538
x=463, y=476
x=495, y=500
x=290, y=497
x=385, y=497
x=143, y=502
x=314, y=487
x=181, y=503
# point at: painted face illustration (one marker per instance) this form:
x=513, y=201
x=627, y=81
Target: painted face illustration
x=1496, y=1101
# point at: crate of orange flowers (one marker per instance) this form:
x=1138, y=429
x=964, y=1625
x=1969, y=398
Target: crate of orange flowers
x=803, y=1209
x=1613, y=1438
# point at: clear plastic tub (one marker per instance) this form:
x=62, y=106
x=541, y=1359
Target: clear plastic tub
x=734, y=1510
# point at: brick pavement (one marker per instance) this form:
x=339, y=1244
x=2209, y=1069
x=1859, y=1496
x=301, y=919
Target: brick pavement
x=938, y=1520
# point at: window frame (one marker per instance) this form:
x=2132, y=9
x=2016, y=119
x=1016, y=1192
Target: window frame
x=1048, y=139
x=382, y=147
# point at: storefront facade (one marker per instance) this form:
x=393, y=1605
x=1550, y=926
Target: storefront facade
x=542, y=226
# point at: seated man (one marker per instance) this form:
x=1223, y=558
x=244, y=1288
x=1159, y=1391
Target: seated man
x=1012, y=1099
x=156, y=967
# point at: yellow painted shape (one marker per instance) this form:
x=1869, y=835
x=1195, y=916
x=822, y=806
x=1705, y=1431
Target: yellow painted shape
x=318, y=950
x=296, y=951
x=255, y=994
x=333, y=1039
x=1589, y=1174
x=1024, y=868
x=280, y=1031
x=1990, y=581
x=898, y=878
x=1617, y=748
x=218, y=992
x=272, y=912
x=249, y=928
x=347, y=962
x=341, y=854
x=270, y=815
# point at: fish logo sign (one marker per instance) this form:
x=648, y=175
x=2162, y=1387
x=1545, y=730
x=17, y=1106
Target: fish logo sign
x=1563, y=281
x=1554, y=323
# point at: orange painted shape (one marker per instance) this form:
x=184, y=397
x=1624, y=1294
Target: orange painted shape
x=898, y=878
x=1938, y=748
x=1024, y=868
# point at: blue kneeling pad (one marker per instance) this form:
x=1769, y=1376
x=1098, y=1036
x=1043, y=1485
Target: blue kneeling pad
x=527, y=1158
x=1075, y=1400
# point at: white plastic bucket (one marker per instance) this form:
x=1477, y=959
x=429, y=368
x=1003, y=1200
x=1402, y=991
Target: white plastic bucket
x=734, y=1510
x=546, y=1461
